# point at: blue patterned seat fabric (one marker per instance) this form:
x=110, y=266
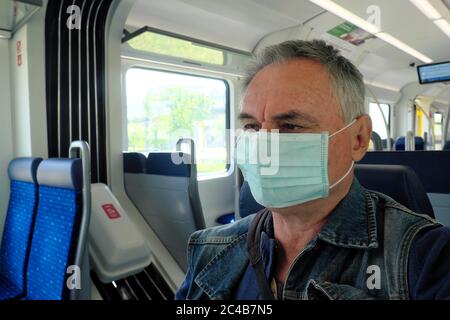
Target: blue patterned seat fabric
x=51, y=247
x=18, y=227
x=56, y=229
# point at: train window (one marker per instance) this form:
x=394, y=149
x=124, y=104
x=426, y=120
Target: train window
x=165, y=106
x=438, y=121
x=378, y=118
x=169, y=46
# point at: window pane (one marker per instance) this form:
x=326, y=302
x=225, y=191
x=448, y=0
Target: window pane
x=163, y=107
x=169, y=46
x=438, y=118
x=377, y=118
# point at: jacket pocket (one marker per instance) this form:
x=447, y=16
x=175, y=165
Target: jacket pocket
x=333, y=291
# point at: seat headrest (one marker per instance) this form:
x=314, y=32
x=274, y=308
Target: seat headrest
x=24, y=169
x=61, y=173
x=247, y=204
x=173, y=164
x=418, y=142
x=447, y=146
x=134, y=162
x=398, y=182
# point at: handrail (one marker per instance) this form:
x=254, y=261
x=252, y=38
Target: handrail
x=85, y=156
x=191, y=145
x=446, y=133
x=388, y=129
x=410, y=141
x=193, y=190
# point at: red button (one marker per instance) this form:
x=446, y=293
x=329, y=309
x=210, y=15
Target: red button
x=111, y=211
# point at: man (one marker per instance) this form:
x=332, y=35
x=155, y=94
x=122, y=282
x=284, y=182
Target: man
x=323, y=235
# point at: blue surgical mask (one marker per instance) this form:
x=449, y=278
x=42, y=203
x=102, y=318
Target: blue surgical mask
x=297, y=175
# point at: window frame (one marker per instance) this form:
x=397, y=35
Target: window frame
x=442, y=117
x=205, y=176
x=226, y=51
x=441, y=141
x=389, y=113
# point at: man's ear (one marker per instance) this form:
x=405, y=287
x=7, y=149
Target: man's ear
x=362, y=132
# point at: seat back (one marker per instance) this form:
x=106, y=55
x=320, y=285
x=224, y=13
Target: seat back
x=19, y=220
x=167, y=197
x=376, y=140
x=430, y=166
x=134, y=162
x=418, y=141
x=446, y=146
x=247, y=203
x=56, y=231
x=398, y=182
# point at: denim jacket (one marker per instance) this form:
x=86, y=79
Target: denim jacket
x=360, y=253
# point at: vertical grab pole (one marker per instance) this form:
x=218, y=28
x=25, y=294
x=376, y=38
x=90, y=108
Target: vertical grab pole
x=193, y=194
x=410, y=142
x=85, y=156
x=386, y=125
x=446, y=133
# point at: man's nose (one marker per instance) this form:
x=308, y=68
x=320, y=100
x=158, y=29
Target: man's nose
x=268, y=126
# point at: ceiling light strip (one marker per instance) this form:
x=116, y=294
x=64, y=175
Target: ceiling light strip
x=353, y=18
x=427, y=9
x=346, y=15
x=381, y=86
x=402, y=46
x=443, y=25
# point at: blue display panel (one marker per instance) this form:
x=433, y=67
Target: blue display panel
x=435, y=72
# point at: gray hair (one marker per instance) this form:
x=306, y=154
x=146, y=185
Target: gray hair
x=347, y=81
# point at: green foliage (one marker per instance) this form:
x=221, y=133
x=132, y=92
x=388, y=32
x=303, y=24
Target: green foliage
x=174, y=112
x=169, y=46
x=186, y=107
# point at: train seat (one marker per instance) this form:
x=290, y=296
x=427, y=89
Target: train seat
x=57, y=233
x=247, y=204
x=447, y=146
x=167, y=197
x=134, y=162
x=396, y=181
x=18, y=226
x=418, y=141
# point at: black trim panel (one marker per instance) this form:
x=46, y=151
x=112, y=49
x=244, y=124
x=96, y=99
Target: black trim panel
x=75, y=80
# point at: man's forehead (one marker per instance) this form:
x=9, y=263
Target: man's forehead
x=280, y=88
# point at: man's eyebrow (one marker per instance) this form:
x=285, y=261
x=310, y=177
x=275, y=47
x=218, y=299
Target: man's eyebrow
x=294, y=115
x=245, y=116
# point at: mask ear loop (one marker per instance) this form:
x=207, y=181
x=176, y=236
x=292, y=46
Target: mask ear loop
x=344, y=176
x=340, y=130
x=353, y=163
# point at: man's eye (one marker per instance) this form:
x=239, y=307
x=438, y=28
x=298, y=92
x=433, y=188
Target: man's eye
x=251, y=126
x=290, y=127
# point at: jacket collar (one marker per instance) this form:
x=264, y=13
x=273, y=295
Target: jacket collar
x=220, y=276
x=352, y=224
